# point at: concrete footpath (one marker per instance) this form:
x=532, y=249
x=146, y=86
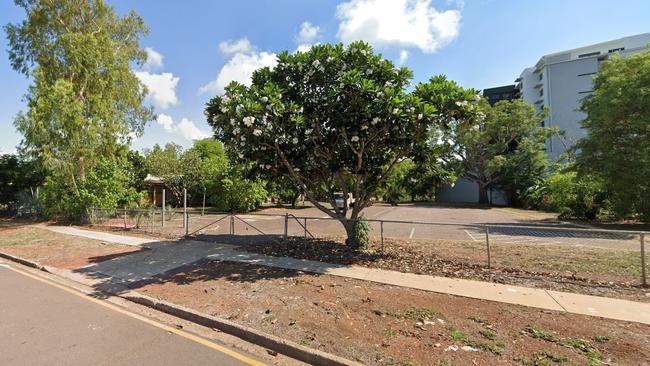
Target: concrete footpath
x=164, y=256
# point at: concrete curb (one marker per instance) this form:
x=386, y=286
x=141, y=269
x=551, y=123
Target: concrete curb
x=25, y=262
x=277, y=344
x=287, y=348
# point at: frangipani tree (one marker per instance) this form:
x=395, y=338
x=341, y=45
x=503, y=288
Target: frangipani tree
x=333, y=119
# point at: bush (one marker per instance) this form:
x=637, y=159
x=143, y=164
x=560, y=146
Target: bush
x=572, y=196
x=106, y=186
x=238, y=194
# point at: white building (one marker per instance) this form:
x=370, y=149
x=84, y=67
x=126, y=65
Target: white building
x=560, y=80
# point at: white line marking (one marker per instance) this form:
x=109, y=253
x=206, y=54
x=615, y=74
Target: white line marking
x=4, y=265
x=470, y=235
x=412, y=232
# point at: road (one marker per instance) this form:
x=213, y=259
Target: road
x=43, y=323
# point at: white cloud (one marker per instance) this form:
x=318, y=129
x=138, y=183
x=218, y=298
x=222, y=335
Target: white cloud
x=154, y=60
x=185, y=128
x=239, y=68
x=403, y=23
x=308, y=33
x=166, y=121
x=189, y=130
x=240, y=45
x=403, y=56
x=162, y=88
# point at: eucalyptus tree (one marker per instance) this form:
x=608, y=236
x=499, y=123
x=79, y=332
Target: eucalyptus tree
x=84, y=102
x=332, y=119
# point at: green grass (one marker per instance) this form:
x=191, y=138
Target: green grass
x=390, y=333
x=479, y=320
x=594, y=356
x=488, y=334
x=416, y=314
x=600, y=339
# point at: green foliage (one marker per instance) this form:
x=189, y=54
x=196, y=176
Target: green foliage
x=85, y=102
x=396, y=187
x=106, y=186
x=239, y=194
x=617, y=147
x=500, y=146
x=19, y=183
x=573, y=196
x=331, y=119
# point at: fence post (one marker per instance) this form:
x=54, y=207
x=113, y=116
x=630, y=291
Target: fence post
x=487, y=243
x=286, y=226
x=163, y=208
x=187, y=224
x=185, y=207
x=124, y=217
x=381, y=224
x=232, y=225
x=305, y=221
x=644, y=270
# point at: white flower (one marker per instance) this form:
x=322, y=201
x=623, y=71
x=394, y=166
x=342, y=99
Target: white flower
x=248, y=121
x=232, y=121
x=375, y=120
x=308, y=131
x=257, y=132
x=295, y=140
x=214, y=119
x=316, y=63
x=296, y=169
x=330, y=59
x=265, y=99
x=461, y=104
x=364, y=127
x=242, y=143
x=241, y=156
x=235, y=131
x=395, y=110
x=388, y=83
x=354, y=138
x=238, y=108
x=243, y=138
x=262, y=148
x=420, y=116
x=224, y=109
x=206, y=113
x=267, y=166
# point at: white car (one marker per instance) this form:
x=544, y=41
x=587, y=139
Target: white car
x=341, y=201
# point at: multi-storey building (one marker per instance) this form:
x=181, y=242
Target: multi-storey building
x=560, y=80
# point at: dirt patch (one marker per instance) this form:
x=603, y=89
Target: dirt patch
x=592, y=271
x=58, y=250
x=386, y=325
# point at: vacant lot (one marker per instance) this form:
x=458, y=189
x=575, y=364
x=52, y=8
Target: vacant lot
x=386, y=325
x=57, y=250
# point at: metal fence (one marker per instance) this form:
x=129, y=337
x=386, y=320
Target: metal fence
x=602, y=254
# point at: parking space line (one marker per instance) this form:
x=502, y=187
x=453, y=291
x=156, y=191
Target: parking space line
x=412, y=232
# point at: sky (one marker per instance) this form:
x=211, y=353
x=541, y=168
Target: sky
x=196, y=48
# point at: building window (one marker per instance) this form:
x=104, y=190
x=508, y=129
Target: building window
x=586, y=92
x=541, y=92
x=616, y=49
x=588, y=73
x=541, y=75
x=589, y=54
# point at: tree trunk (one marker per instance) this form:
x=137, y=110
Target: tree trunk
x=350, y=241
x=483, y=195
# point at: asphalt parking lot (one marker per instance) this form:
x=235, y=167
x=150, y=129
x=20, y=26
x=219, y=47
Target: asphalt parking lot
x=421, y=223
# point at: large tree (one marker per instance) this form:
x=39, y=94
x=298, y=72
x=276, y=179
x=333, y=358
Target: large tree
x=617, y=146
x=84, y=102
x=500, y=146
x=333, y=119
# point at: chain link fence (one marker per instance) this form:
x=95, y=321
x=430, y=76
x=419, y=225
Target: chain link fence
x=592, y=254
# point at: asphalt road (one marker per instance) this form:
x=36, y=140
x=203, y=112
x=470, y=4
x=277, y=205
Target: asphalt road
x=42, y=323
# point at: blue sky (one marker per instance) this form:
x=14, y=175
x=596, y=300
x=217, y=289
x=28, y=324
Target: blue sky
x=196, y=48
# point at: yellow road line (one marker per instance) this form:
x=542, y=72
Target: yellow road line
x=167, y=328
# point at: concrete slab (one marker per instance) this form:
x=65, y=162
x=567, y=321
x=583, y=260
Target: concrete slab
x=107, y=237
x=166, y=256
x=603, y=306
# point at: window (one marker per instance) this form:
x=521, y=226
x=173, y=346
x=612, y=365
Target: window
x=541, y=92
x=588, y=73
x=589, y=54
x=616, y=49
x=586, y=92
x=541, y=75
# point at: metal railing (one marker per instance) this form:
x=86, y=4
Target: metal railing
x=177, y=223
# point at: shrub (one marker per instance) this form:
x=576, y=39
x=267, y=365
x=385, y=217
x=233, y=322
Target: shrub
x=361, y=233
x=572, y=196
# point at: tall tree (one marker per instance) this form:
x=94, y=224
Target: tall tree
x=85, y=102
x=331, y=119
x=617, y=146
